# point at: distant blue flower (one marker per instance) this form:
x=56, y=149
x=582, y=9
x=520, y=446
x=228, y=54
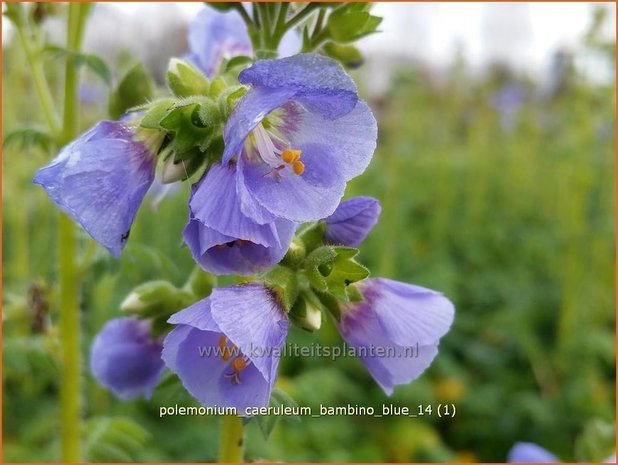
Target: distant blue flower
x=221, y=238
x=214, y=36
x=100, y=180
x=226, y=348
x=401, y=321
x=298, y=136
x=126, y=359
x=508, y=102
x=528, y=452
x=352, y=221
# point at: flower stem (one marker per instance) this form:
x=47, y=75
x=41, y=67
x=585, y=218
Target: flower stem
x=70, y=394
x=36, y=72
x=231, y=442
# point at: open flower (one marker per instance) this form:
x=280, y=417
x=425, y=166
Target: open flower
x=226, y=348
x=100, y=180
x=298, y=135
x=214, y=36
x=221, y=238
x=395, y=329
x=126, y=359
x=352, y=221
x=529, y=452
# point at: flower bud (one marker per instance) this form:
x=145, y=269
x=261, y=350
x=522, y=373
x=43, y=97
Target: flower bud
x=185, y=80
x=306, y=313
x=156, y=298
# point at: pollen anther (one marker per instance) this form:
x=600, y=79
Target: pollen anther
x=290, y=155
x=298, y=167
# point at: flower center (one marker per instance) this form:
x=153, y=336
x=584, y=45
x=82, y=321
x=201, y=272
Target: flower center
x=269, y=147
x=238, y=363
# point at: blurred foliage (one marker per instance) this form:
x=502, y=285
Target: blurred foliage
x=506, y=205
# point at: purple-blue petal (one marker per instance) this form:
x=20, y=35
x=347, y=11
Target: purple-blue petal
x=100, y=180
x=408, y=314
x=361, y=329
x=528, y=452
x=221, y=238
x=352, y=221
x=247, y=316
x=404, y=321
x=318, y=82
x=213, y=36
x=252, y=317
x=126, y=359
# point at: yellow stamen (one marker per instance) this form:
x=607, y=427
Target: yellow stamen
x=222, y=342
x=298, y=167
x=290, y=155
x=239, y=364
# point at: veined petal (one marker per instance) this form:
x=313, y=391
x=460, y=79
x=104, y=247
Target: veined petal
x=309, y=197
x=215, y=204
x=100, y=180
x=320, y=83
x=408, y=314
x=352, y=221
x=253, y=319
x=197, y=315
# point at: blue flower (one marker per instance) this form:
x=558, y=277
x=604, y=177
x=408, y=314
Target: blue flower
x=100, y=180
x=298, y=135
x=126, y=359
x=226, y=348
x=395, y=329
x=352, y=221
x=214, y=36
x=221, y=238
x=528, y=452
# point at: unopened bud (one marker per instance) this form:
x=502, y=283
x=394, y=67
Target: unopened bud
x=185, y=80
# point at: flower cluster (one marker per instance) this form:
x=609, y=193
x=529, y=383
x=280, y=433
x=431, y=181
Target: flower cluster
x=271, y=146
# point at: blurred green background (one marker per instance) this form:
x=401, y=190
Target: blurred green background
x=495, y=191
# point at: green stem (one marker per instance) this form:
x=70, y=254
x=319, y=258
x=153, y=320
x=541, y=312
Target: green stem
x=38, y=77
x=303, y=14
x=231, y=442
x=70, y=395
x=265, y=28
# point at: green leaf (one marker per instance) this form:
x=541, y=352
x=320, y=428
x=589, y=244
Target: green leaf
x=597, y=442
x=116, y=439
x=135, y=88
x=92, y=62
x=28, y=137
x=278, y=398
x=349, y=24
x=240, y=61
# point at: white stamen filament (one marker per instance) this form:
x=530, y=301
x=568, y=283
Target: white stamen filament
x=266, y=148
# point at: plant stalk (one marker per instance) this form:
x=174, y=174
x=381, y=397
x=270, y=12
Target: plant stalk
x=231, y=442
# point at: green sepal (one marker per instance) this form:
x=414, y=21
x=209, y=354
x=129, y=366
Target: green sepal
x=157, y=111
x=348, y=55
x=314, y=263
x=217, y=86
x=156, y=299
x=330, y=303
x=194, y=122
x=332, y=268
x=295, y=254
x=278, y=398
x=345, y=271
x=236, y=62
x=312, y=235
x=185, y=80
x=284, y=282
x=135, y=88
